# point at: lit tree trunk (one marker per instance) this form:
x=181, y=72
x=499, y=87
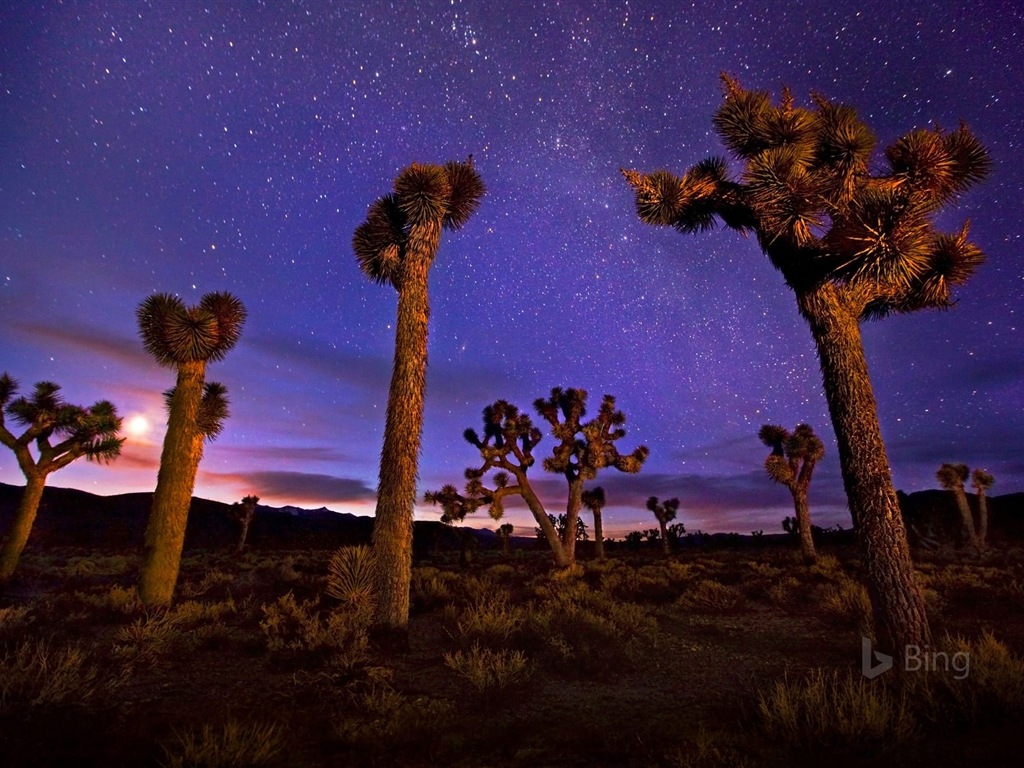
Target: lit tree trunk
x=543, y=522
x=664, y=537
x=900, y=616
x=598, y=536
x=572, y=516
x=399, y=457
x=966, y=518
x=803, y=521
x=179, y=461
x=982, y=539
x=16, y=538
x=246, y=521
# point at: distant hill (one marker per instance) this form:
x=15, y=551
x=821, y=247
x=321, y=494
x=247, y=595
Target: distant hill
x=73, y=518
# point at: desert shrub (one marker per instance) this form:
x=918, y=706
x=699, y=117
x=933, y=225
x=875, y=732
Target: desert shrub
x=149, y=638
x=828, y=567
x=38, y=675
x=784, y=591
x=113, y=604
x=228, y=745
x=710, y=596
x=291, y=626
x=13, y=620
x=211, y=579
x=834, y=709
x=490, y=624
x=350, y=576
x=501, y=573
x=989, y=689
x=431, y=587
x=402, y=720
x=489, y=671
x=848, y=602
x=709, y=750
x=97, y=565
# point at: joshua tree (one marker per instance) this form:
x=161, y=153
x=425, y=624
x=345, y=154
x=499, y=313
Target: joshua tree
x=791, y=463
x=184, y=338
x=90, y=432
x=583, y=448
x=665, y=513
x=455, y=508
x=504, y=532
x=852, y=245
x=593, y=499
x=244, y=511
x=396, y=245
x=952, y=477
x=982, y=482
x=506, y=445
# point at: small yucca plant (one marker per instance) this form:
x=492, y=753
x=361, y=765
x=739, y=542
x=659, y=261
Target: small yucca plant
x=350, y=574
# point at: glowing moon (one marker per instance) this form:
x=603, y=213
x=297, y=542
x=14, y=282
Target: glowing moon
x=137, y=425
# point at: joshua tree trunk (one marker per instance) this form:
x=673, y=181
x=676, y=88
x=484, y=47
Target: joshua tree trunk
x=17, y=536
x=966, y=518
x=664, y=538
x=900, y=617
x=982, y=539
x=543, y=522
x=572, y=516
x=598, y=536
x=403, y=428
x=803, y=521
x=245, y=533
x=179, y=461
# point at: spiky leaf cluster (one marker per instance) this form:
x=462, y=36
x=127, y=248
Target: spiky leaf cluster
x=213, y=409
x=77, y=431
x=952, y=476
x=424, y=196
x=794, y=454
x=585, y=447
x=594, y=499
x=665, y=512
x=454, y=506
x=174, y=333
x=982, y=480
x=820, y=215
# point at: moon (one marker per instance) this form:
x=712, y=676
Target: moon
x=138, y=425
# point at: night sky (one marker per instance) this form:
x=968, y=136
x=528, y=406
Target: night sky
x=185, y=147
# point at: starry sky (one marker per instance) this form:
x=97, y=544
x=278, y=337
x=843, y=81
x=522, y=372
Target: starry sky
x=190, y=147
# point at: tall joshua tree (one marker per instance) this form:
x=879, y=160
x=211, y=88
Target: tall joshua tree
x=952, y=477
x=61, y=433
x=396, y=245
x=506, y=447
x=852, y=244
x=583, y=448
x=244, y=511
x=186, y=339
x=791, y=463
x=593, y=499
x=982, y=482
x=665, y=513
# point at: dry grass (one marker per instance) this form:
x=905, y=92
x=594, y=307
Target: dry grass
x=231, y=744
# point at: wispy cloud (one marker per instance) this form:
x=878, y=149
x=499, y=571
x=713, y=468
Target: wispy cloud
x=297, y=487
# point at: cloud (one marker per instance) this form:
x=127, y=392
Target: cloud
x=299, y=487
x=89, y=339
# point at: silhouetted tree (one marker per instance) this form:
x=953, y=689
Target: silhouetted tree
x=593, y=499
x=982, y=482
x=852, y=245
x=454, y=508
x=583, y=449
x=186, y=339
x=244, y=511
x=791, y=463
x=952, y=477
x=665, y=513
x=90, y=432
x=504, y=532
x=396, y=245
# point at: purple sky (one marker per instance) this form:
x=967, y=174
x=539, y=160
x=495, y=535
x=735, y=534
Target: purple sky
x=186, y=147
